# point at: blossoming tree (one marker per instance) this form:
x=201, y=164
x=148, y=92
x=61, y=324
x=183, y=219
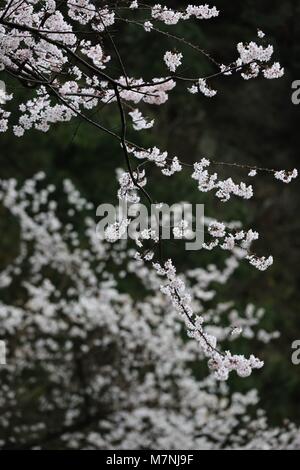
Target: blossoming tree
x=66, y=57
x=91, y=367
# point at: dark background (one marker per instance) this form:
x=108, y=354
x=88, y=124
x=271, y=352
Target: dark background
x=251, y=122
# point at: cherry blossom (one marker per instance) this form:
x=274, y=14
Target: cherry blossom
x=172, y=60
x=86, y=323
x=139, y=122
x=286, y=176
x=65, y=56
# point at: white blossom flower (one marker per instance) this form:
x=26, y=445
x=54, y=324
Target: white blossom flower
x=286, y=176
x=174, y=167
x=203, y=88
x=252, y=52
x=275, y=71
x=261, y=263
x=139, y=122
x=148, y=26
x=134, y=5
x=116, y=231
x=172, y=60
x=217, y=229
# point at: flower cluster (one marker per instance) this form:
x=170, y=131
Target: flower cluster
x=128, y=186
x=286, y=176
x=116, y=231
x=172, y=60
x=241, y=240
x=139, y=122
x=203, y=88
x=253, y=52
x=50, y=60
x=257, y=57
x=260, y=263
x=224, y=188
x=275, y=71
x=220, y=363
x=134, y=5
x=171, y=17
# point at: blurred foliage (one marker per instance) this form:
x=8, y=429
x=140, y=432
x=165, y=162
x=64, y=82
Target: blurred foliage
x=251, y=122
